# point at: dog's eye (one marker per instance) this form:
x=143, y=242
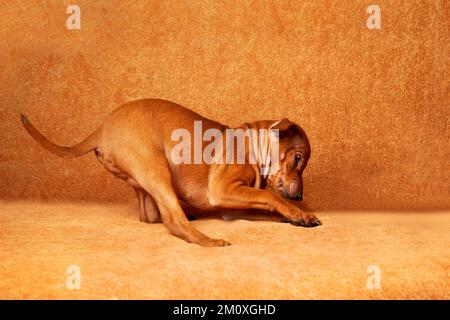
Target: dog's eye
x=297, y=159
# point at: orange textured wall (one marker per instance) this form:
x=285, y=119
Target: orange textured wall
x=375, y=103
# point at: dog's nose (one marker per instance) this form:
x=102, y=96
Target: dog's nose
x=293, y=189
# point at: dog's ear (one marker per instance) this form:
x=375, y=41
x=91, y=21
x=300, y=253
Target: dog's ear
x=282, y=124
x=286, y=127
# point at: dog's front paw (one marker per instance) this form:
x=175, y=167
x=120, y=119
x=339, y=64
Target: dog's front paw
x=315, y=222
x=306, y=220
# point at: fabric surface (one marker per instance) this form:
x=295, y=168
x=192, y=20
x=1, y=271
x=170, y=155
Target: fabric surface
x=375, y=103
x=122, y=258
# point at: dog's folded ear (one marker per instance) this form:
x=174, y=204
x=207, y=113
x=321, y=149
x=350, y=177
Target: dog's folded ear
x=286, y=127
x=282, y=124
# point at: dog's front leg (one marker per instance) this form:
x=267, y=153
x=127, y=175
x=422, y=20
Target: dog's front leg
x=228, y=190
x=245, y=197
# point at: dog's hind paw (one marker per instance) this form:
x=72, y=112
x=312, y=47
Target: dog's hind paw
x=214, y=243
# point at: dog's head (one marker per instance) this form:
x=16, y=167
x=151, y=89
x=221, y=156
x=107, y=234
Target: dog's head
x=294, y=150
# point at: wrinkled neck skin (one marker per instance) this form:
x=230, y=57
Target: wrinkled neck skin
x=257, y=150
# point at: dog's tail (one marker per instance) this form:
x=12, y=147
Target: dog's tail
x=87, y=145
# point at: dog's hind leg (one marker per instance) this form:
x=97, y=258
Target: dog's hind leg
x=148, y=211
x=153, y=214
x=141, y=197
x=158, y=183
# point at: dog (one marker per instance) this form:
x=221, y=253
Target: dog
x=135, y=143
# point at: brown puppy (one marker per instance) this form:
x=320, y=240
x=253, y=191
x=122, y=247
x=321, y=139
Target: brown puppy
x=135, y=143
